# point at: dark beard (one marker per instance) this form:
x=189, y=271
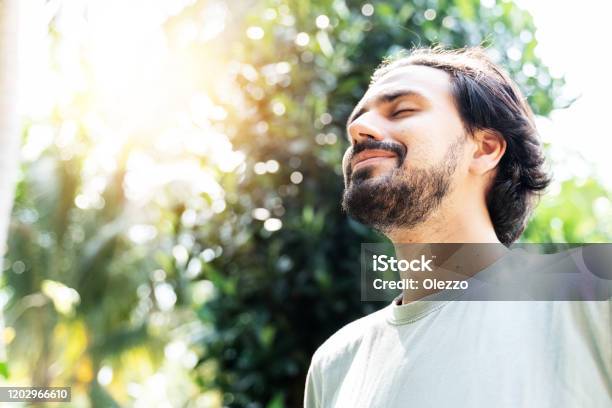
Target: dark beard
x=399, y=199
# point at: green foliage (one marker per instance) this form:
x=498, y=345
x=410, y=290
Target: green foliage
x=577, y=212
x=4, y=370
x=67, y=265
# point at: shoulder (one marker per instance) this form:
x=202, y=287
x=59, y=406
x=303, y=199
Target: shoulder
x=343, y=344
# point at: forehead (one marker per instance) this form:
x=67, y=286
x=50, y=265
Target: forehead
x=432, y=84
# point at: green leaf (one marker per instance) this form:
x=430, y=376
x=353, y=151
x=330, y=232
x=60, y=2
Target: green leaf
x=277, y=402
x=466, y=9
x=4, y=369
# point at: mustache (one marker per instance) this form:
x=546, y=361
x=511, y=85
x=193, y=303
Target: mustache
x=397, y=148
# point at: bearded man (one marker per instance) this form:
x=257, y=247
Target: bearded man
x=443, y=149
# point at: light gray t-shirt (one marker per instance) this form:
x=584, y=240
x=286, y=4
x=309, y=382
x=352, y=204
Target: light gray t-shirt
x=468, y=354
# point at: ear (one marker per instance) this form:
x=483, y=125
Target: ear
x=490, y=146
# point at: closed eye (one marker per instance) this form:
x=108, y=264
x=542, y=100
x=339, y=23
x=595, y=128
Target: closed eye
x=401, y=111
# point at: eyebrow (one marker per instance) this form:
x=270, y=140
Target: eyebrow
x=386, y=97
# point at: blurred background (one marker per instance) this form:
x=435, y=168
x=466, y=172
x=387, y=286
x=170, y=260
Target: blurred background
x=176, y=238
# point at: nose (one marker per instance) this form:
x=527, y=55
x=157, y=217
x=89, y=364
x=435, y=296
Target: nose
x=363, y=128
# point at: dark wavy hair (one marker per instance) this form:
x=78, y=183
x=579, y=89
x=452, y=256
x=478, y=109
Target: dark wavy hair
x=487, y=99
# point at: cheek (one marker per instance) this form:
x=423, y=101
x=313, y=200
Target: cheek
x=428, y=140
x=422, y=143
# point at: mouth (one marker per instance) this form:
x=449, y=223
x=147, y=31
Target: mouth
x=371, y=157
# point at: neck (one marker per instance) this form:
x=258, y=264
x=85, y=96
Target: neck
x=459, y=225
x=452, y=224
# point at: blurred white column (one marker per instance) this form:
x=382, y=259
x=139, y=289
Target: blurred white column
x=10, y=134
x=9, y=123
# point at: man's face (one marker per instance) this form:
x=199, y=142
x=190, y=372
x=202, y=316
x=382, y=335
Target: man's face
x=407, y=141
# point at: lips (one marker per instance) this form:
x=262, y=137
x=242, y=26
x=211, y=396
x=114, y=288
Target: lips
x=371, y=156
